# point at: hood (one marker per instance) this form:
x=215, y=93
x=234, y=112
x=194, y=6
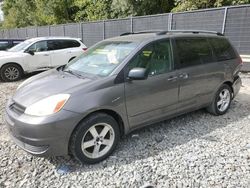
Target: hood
x=46, y=84
x=6, y=54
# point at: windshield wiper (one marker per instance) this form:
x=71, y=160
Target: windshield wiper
x=73, y=73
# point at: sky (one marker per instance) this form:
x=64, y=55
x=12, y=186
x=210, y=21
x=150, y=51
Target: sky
x=1, y=12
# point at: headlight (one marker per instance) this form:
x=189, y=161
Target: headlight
x=47, y=106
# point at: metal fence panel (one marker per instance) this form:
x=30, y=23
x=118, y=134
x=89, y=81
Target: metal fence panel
x=31, y=32
x=6, y=33
x=156, y=22
x=21, y=33
x=92, y=33
x=116, y=27
x=43, y=31
x=13, y=33
x=200, y=20
x=57, y=30
x=1, y=34
x=238, y=28
x=72, y=30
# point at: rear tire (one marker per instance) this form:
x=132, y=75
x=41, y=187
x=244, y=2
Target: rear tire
x=11, y=72
x=222, y=100
x=95, y=138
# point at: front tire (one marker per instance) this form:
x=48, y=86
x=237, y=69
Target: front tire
x=222, y=101
x=11, y=72
x=95, y=138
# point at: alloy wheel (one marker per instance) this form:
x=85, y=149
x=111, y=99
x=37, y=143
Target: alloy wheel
x=224, y=100
x=98, y=140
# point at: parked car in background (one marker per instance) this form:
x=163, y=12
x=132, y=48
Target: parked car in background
x=119, y=85
x=6, y=44
x=38, y=54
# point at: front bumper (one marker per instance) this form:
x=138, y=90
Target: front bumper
x=41, y=136
x=236, y=85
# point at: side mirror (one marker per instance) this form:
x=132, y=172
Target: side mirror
x=30, y=52
x=138, y=74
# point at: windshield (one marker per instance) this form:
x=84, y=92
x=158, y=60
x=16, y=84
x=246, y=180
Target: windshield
x=102, y=59
x=21, y=46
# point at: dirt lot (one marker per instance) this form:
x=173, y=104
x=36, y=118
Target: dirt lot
x=193, y=150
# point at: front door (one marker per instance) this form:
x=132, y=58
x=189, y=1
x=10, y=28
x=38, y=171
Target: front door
x=42, y=57
x=157, y=96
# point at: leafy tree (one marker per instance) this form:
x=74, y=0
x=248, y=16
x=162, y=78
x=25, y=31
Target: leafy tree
x=88, y=10
x=124, y=8
x=184, y=5
x=53, y=11
x=18, y=13
x=22, y=13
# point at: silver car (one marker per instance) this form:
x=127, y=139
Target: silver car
x=119, y=85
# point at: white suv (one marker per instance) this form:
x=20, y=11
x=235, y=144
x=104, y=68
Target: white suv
x=38, y=54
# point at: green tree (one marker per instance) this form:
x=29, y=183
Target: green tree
x=89, y=10
x=53, y=11
x=185, y=5
x=18, y=13
x=124, y=8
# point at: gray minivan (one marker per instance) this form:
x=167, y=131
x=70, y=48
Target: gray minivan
x=119, y=85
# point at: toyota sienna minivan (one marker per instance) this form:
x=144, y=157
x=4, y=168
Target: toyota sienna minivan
x=119, y=85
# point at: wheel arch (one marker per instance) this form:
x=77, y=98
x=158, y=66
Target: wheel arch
x=112, y=113
x=12, y=63
x=230, y=84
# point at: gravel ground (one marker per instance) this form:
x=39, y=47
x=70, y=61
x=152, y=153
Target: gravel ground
x=193, y=150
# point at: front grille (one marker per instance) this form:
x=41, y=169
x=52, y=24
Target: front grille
x=17, y=108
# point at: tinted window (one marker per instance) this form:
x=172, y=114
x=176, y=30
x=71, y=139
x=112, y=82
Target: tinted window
x=39, y=46
x=222, y=49
x=62, y=44
x=70, y=44
x=193, y=51
x=4, y=45
x=155, y=57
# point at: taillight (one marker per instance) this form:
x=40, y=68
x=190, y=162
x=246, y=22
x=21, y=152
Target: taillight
x=84, y=49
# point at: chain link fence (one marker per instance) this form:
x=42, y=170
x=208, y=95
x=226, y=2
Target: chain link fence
x=233, y=21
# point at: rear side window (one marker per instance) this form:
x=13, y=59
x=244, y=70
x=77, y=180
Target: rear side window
x=222, y=49
x=62, y=44
x=71, y=44
x=193, y=51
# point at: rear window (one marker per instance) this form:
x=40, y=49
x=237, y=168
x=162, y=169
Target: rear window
x=222, y=49
x=193, y=51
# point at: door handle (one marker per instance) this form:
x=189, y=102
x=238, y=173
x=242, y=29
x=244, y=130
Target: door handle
x=183, y=75
x=45, y=54
x=172, y=78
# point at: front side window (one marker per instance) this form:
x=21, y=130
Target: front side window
x=222, y=49
x=155, y=57
x=21, y=46
x=102, y=59
x=193, y=51
x=40, y=46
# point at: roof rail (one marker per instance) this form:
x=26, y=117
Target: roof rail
x=141, y=32
x=190, y=31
